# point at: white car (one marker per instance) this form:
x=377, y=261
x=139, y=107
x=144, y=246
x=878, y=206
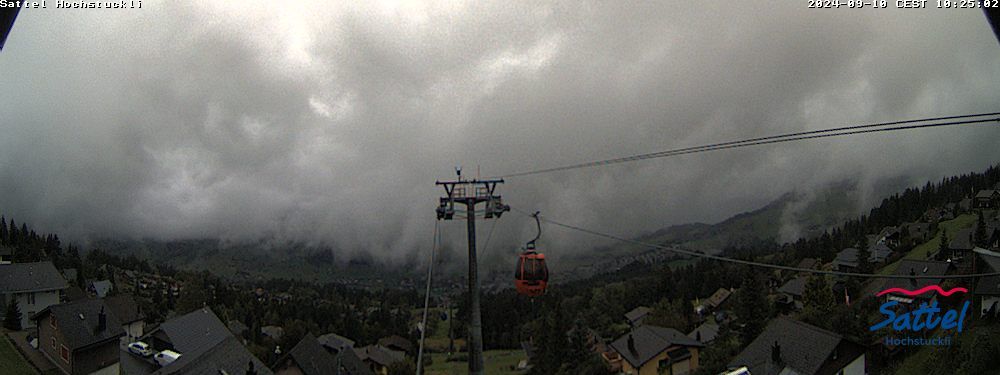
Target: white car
x=166, y=357
x=140, y=348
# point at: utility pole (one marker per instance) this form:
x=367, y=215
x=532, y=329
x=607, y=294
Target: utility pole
x=470, y=193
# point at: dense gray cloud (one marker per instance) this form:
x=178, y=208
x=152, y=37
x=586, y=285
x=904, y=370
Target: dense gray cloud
x=328, y=123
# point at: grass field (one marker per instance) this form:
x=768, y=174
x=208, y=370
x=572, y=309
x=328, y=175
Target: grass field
x=11, y=361
x=496, y=362
x=920, y=252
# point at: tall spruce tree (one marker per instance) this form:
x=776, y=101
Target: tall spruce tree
x=12, y=318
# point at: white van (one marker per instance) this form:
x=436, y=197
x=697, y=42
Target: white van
x=166, y=357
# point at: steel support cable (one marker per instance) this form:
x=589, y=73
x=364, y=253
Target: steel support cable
x=427, y=296
x=813, y=134
x=748, y=262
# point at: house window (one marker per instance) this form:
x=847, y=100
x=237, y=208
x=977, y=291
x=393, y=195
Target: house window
x=52, y=322
x=53, y=342
x=64, y=353
x=31, y=298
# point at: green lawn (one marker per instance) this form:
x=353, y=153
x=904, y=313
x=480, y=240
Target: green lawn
x=11, y=361
x=920, y=252
x=496, y=362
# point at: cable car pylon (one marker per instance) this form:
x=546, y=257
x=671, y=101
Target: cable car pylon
x=470, y=193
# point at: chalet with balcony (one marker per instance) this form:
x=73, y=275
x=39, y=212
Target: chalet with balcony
x=649, y=350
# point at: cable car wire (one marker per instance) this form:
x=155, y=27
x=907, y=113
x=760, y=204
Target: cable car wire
x=797, y=136
x=427, y=296
x=748, y=262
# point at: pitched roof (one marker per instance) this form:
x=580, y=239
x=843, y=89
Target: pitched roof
x=206, y=346
x=637, y=313
x=227, y=357
x=380, y=355
x=918, y=267
x=804, y=348
x=878, y=252
x=650, y=341
x=989, y=285
x=718, y=297
x=396, y=342
x=708, y=330
x=311, y=358
x=101, y=287
x=795, y=287
x=194, y=332
x=962, y=240
x=847, y=257
x=986, y=193
x=350, y=361
x=888, y=231
x=78, y=322
x=125, y=308
x=30, y=277
x=333, y=341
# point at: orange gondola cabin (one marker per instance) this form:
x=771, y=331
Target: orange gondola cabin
x=531, y=276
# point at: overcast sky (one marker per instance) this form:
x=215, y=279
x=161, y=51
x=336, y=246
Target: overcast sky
x=329, y=123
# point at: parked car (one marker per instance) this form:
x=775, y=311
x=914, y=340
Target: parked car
x=166, y=357
x=140, y=348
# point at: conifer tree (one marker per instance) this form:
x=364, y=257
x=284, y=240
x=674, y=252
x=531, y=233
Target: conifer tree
x=12, y=318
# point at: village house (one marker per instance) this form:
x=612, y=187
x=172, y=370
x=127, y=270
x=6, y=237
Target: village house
x=987, y=290
x=334, y=343
x=636, y=316
x=656, y=350
x=914, y=267
x=205, y=345
x=989, y=199
x=961, y=244
x=34, y=286
x=918, y=231
x=6, y=255
x=309, y=357
x=889, y=236
x=274, y=332
x=379, y=357
x=790, y=294
x=847, y=259
x=80, y=337
x=789, y=346
x=705, y=333
x=993, y=233
x=713, y=302
x=399, y=343
x=100, y=288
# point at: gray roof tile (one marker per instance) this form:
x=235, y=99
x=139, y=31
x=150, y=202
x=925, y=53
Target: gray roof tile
x=30, y=277
x=804, y=348
x=78, y=322
x=650, y=341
